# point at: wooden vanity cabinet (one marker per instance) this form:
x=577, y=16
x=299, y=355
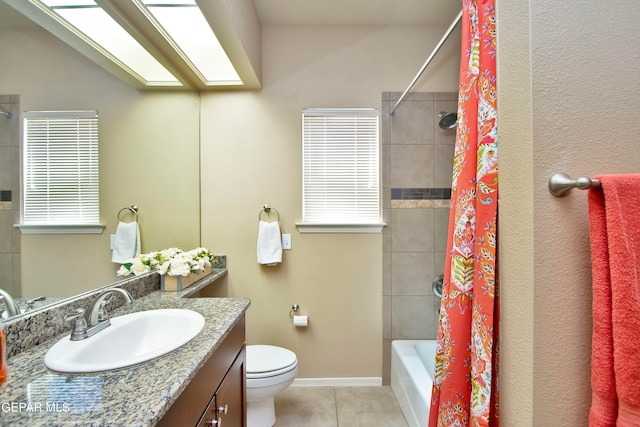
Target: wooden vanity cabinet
x=225, y=409
x=216, y=396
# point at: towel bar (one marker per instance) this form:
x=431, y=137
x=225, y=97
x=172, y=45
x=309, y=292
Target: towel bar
x=133, y=209
x=561, y=183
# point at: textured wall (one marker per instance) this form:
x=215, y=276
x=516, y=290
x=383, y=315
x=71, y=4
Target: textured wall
x=516, y=228
x=583, y=78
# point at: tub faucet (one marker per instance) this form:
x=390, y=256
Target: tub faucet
x=12, y=307
x=99, y=317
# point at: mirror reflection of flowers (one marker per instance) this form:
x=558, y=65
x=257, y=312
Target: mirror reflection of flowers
x=172, y=262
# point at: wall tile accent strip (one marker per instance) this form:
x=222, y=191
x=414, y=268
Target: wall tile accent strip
x=421, y=204
x=420, y=193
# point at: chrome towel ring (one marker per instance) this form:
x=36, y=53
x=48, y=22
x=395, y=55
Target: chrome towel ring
x=267, y=209
x=133, y=209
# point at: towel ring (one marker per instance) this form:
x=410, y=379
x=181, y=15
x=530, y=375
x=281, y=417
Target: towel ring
x=133, y=209
x=267, y=209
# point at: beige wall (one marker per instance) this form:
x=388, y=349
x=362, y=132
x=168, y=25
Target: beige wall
x=149, y=144
x=251, y=156
x=516, y=201
x=580, y=117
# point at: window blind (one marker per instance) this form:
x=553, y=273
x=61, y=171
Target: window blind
x=341, y=166
x=60, y=168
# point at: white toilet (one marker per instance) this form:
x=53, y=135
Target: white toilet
x=270, y=370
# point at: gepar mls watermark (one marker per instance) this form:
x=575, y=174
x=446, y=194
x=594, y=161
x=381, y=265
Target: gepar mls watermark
x=31, y=407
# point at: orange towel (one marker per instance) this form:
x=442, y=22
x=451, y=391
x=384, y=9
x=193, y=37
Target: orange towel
x=614, y=216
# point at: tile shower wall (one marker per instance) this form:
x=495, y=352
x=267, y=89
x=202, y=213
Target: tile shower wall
x=10, y=195
x=417, y=161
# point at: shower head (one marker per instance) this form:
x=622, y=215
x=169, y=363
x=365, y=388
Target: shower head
x=6, y=114
x=447, y=120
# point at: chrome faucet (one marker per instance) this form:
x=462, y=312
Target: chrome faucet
x=12, y=307
x=98, y=318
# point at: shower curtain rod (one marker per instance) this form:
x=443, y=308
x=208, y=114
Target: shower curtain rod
x=426, y=63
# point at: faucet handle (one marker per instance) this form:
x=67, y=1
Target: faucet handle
x=80, y=326
x=77, y=313
x=103, y=314
x=31, y=303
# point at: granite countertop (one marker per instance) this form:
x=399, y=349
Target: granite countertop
x=135, y=396
x=29, y=304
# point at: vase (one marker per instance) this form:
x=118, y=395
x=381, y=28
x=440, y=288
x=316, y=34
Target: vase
x=179, y=283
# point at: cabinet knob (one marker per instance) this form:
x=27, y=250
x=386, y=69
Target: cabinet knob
x=217, y=423
x=223, y=409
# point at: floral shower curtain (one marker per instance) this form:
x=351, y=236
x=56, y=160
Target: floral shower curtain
x=465, y=386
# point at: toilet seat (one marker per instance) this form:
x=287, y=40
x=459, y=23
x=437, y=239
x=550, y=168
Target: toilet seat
x=265, y=361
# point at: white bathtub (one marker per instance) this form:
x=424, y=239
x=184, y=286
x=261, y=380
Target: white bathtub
x=412, y=378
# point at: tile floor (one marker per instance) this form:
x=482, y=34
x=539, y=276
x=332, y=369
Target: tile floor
x=338, y=407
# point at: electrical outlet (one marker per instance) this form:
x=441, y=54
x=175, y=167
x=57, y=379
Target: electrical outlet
x=286, y=241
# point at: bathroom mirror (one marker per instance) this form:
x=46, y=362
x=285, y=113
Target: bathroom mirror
x=149, y=157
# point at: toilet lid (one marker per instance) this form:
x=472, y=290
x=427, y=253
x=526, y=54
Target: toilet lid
x=268, y=358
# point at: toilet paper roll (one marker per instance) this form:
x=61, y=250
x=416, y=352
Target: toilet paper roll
x=302, y=321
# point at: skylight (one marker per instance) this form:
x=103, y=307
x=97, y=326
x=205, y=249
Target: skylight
x=193, y=54
x=92, y=21
x=186, y=26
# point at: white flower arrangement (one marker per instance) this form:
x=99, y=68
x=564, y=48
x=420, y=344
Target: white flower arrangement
x=172, y=262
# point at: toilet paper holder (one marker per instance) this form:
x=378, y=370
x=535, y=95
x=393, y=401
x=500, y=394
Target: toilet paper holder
x=294, y=309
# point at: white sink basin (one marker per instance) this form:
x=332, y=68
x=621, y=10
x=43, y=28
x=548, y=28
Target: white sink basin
x=131, y=339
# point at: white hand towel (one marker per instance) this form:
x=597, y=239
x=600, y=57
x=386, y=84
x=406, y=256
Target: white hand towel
x=126, y=244
x=269, y=243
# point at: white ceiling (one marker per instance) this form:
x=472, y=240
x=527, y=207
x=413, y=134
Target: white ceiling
x=325, y=12
x=328, y=12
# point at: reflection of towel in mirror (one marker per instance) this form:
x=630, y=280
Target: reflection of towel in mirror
x=126, y=244
x=269, y=243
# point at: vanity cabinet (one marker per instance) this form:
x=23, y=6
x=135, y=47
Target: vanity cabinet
x=216, y=396
x=226, y=406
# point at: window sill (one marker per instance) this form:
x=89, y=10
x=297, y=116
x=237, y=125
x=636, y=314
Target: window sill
x=60, y=229
x=339, y=228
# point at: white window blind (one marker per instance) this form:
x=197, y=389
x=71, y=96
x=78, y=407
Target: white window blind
x=60, y=168
x=341, y=166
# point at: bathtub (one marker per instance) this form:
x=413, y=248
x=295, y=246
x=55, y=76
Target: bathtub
x=412, y=367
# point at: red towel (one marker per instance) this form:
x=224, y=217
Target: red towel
x=614, y=216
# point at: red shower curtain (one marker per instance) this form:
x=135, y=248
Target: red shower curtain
x=465, y=387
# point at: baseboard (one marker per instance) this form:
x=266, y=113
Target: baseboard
x=338, y=382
